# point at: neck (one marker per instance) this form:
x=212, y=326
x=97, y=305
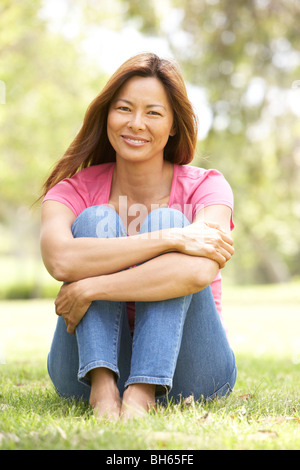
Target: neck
x=143, y=182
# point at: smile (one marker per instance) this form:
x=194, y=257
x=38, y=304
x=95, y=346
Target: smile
x=134, y=141
x=137, y=141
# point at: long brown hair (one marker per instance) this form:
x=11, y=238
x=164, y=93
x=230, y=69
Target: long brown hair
x=91, y=145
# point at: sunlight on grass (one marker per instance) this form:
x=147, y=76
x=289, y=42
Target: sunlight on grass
x=263, y=412
x=264, y=320
x=26, y=328
x=260, y=321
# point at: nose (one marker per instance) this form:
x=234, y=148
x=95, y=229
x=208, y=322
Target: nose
x=136, y=122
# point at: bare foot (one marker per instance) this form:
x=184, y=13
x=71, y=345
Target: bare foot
x=138, y=399
x=105, y=397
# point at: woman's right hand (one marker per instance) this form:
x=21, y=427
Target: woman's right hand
x=71, y=303
x=206, y=239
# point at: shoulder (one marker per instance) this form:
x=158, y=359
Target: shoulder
x=82, y=189
x=196, y=184
x=92, y=173
x=195, y=188
x=194, y=176
x=196, y=173
x=88, y=176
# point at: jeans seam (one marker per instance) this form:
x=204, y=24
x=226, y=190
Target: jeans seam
x=114, y=365
x=180, y=331
x=117, y=333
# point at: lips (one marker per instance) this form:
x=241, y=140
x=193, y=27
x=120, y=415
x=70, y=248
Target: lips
x=134, y=140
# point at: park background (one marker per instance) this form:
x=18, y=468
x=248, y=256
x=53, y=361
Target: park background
x=241, y=63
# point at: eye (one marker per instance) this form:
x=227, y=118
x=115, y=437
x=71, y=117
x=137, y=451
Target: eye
x=123, y=108
x=154, y=113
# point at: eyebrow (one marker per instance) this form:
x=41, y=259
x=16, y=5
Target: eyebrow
x=148, y=105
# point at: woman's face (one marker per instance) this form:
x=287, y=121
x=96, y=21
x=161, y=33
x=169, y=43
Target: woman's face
x=140, y=120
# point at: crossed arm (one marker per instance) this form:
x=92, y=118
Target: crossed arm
x=174, y=262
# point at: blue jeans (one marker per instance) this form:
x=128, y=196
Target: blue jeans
x=178, y=344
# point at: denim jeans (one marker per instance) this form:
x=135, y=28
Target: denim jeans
x=178, y=344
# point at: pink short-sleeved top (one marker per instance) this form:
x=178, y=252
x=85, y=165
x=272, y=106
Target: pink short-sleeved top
x=192, y=189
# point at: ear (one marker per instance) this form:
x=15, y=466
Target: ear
x=173, y=130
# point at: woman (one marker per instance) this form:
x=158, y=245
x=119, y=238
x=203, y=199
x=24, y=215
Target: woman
x=138, y=238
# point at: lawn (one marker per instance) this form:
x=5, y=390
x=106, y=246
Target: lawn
x=263, y=412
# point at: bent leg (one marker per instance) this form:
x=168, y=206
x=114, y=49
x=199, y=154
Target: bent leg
x=63, y=362
x=158, y=325
x=103, y=330
x=206, y=364
x=180, y=344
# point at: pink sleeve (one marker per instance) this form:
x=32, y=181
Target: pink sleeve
x=213, y=190
x=67, y=192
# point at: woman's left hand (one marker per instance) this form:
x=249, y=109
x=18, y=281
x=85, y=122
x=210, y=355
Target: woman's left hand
x=71, y=304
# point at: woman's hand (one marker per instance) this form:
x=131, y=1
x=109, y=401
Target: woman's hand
x=206, y=239
x=72, y=304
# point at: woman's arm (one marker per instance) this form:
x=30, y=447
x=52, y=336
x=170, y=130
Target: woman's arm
x=164, y=277
x=71, y=259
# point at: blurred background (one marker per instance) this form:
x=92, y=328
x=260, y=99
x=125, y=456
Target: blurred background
x=241, y=63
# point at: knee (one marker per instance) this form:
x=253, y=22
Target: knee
x=161, y=218
x=98, y=222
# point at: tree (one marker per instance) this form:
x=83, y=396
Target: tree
x=48, y=84
x=246, y=56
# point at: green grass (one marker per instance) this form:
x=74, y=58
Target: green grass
x=263, y=412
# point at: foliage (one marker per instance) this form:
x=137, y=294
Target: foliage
x=244, y=55
x=251, y=81
x=48, y=85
